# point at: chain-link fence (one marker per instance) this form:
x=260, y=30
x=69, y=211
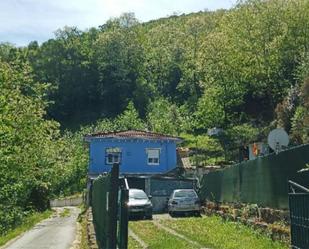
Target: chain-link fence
x=299, y=215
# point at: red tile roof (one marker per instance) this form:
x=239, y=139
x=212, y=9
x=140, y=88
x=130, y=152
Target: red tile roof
x=134, y=134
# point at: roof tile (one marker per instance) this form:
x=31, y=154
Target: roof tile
x=136, y=134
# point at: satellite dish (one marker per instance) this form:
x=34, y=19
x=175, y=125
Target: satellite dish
x=277, y=139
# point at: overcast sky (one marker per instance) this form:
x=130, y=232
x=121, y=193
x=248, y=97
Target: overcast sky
x=22, y=21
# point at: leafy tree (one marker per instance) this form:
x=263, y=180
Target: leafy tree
x=210, y=112
x=36, y=162
x=120, y=65
x=286, y=109
x=163, y=117
x=68, y=63
x=129, y=119
x=300, y=120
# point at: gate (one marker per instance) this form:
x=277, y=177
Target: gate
x=109, y=207
x=299, y=215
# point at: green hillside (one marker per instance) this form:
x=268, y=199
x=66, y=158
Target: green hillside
x=245, y=70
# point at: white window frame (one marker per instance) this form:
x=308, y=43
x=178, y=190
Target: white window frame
x=112, y=151
x=158, y=157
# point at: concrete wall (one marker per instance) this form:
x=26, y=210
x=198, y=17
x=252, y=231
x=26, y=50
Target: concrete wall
x=161, y=188
x=133, y=155
x=159, y=204
x=76, y=201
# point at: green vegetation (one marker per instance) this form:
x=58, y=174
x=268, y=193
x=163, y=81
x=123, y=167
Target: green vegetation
x=244, y=70
x=208, y=150
x=82, y=219
x=209, y=69
x=65, y=213
x=210, y=232
x=213, y=232
x=37, y=162
x=133, y=244
x=157, y=238
x=27, y=224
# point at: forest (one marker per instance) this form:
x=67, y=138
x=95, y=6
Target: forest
x=245, y=70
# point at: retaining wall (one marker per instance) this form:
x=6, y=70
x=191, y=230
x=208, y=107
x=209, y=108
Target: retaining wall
x=75, y=201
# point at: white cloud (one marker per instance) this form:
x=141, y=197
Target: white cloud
x=24, y=20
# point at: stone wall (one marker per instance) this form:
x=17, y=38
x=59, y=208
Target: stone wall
x=272, y=222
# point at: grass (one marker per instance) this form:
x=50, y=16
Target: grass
x=82, y=219
x=215, y=233
x=65, y=213
x=71, y=196
x=155, y=237
x=28, y=223
x=133, y=244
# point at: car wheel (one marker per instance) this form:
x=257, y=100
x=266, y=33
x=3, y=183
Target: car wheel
x=171, y=213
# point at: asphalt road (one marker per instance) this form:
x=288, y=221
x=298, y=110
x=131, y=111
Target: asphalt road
x=54, y=233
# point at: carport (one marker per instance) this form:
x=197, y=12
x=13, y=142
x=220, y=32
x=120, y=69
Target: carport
x=160, y=187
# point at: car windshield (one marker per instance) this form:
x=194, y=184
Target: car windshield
x=137, y=194
x=185, y=194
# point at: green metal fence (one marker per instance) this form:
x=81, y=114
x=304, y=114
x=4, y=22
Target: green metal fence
x=299, y=215
x=110, y=214
x=262, y=181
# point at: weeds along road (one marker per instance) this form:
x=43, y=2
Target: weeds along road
x=57, y=232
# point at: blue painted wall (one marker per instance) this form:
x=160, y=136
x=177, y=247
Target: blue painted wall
x=133, y=157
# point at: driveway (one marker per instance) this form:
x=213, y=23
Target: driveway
x=161, y=216
x=57, y=232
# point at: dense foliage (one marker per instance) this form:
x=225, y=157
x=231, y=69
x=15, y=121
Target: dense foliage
x=245, y=70
x=36, y=163
x=220, y=68
x=214, y=69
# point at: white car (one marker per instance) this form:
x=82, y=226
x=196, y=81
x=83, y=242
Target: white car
x=139, y=204
x=184, y=201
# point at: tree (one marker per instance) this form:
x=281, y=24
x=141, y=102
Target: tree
x=163, y=117
x=25, y=139
x=120, y=62
x=129, y=119
x=67, y=62
x=300, y=120
x=223, y=89
x=36, y=163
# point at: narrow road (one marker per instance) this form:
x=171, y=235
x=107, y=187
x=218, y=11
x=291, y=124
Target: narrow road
x=57, y=232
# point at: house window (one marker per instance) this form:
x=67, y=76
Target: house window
x=153, y=156
x=112, y=155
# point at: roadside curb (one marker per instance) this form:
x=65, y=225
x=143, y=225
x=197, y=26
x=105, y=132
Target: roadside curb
x=78, y=234
x=91, y=235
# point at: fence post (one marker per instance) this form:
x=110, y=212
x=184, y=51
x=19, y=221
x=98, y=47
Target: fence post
x=299, y=215
x=123, y=219
x=112, y=208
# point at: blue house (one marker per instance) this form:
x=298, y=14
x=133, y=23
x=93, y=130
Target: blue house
x=138, y=152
